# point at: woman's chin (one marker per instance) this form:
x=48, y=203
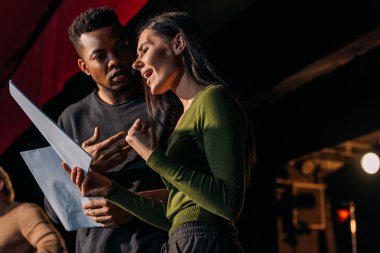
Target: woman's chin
x=155, y=90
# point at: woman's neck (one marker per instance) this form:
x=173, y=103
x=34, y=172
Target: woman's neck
x=186, y=90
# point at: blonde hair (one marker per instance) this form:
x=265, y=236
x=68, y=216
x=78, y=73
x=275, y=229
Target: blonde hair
x=8, y=189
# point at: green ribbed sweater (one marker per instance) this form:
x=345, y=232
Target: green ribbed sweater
x=203, y=166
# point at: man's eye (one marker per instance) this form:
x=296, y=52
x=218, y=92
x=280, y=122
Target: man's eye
x=100, y=57
x=123, y=45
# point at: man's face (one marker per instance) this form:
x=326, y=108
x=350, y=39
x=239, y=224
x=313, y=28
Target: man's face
x=107, y=57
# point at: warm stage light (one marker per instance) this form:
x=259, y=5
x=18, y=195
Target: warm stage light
x=342, y=215
x=370, y=163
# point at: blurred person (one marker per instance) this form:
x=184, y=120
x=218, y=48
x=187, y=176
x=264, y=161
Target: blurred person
x=98, y=123
x=24, y=226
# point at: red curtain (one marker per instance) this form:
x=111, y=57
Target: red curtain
x=50, y=63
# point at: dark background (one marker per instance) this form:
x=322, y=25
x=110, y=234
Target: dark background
x=256, y=45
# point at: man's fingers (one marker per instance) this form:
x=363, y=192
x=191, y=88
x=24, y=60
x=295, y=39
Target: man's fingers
x=127, y=148
x=106, y=144
x=118, y=160
x=117, y=153
x=118, y=149
x=94, y=138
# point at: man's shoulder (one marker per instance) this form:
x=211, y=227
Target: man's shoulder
x=82, y=105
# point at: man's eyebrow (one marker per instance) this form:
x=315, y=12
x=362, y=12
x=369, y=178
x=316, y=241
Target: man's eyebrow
x=122, y=40
x=96, y=51
x=118, y=41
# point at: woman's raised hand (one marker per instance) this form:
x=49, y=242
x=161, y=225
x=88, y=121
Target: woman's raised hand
x=142, y=138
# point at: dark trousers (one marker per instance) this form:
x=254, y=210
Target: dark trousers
x=194, y=237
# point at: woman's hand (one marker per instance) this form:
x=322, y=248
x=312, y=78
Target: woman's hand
x=106, y=213
x=142, y=138
x=92, y=185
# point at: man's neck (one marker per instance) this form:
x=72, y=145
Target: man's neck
x=115, y=98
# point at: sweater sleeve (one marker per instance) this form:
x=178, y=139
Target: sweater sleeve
x=221, y=124
x=146, y=209
x=38, y=231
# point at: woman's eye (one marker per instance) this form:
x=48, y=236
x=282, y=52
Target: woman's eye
x=141, y=51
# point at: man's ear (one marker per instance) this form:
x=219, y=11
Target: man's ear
x=179, y=44
x=1, y=185
x=83, y=66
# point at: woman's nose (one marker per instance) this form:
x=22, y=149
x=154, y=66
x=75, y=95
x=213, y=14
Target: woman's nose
x=137, y=64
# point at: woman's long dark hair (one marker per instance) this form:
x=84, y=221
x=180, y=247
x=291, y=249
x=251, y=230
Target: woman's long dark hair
x=197, y=64
x=196, y=59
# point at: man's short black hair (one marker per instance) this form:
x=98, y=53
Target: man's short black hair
x=91, y=20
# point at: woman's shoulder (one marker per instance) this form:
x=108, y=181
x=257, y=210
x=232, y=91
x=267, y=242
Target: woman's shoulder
x=215, y=94
x=215, y=91
x=215, y=88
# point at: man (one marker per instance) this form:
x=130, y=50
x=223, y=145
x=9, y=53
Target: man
x=106, y=56
x=24, y=226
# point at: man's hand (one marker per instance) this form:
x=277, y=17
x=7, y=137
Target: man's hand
x=106, y=213
x=108, y=153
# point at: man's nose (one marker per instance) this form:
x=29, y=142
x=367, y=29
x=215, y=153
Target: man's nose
x=114, y=60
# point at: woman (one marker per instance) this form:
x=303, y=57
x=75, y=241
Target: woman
x=207, y=162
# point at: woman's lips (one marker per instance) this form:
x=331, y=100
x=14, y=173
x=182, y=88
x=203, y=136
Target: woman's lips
x=147, y=74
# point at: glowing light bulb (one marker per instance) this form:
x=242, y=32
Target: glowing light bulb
x=370, y=163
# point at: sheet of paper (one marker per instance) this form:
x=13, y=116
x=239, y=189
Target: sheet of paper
x=62, y=194
x=66, y=148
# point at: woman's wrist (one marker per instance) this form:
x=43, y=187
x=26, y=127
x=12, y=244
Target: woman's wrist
x=149, y=154
x=108, y=188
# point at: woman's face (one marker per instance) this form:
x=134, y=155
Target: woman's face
x=158, y=62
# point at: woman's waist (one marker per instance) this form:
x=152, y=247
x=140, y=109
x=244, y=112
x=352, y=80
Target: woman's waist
x=195, y=213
